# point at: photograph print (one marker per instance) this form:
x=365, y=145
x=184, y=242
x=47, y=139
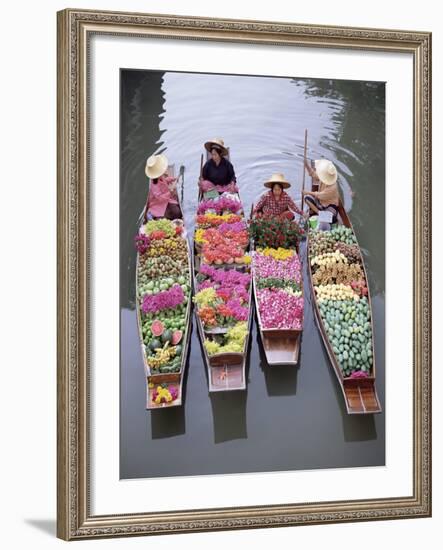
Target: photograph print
x=252, y=274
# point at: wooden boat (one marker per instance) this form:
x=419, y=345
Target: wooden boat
x=360, y=394
x=281, y=346
x=171, y=380
x=226, y=371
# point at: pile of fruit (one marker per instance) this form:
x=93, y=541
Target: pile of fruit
x=278, y=282
x=223, y=292
x=351, y=251
x=348, y=325
x=321, y=242
x=338, y=273
x=343, y=234
x=341, y=291
x=163, y=295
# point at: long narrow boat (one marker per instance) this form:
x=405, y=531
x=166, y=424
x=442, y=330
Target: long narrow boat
x=163, y=277
x=225, y=362
x=346, y=325
x=281, y=344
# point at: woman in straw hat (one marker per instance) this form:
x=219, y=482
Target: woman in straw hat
x=327, y=197
x=276, y=203
x=218, y=173
x=162, y=197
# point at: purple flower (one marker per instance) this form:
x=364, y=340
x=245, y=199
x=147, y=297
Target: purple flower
x=163, y=300
x=230, y=277
x=141, y=243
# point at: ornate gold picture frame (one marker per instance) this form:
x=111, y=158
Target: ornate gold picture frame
x=75, y=29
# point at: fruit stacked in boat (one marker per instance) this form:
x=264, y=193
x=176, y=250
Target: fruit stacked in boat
x=164, y=299
x=341, y=290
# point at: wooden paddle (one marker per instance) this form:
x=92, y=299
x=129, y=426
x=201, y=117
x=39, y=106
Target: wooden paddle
x=200, y=194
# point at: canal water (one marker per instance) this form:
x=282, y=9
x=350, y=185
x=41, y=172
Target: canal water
x=290, y=418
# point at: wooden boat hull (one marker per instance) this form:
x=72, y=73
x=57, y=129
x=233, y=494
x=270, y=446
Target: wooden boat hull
x=176, y=379
x=225, y=371
x=281, y=346
x=360, y=394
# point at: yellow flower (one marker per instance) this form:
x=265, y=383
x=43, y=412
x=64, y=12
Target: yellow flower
x=205, y=297
x=199, y=236
x=279, y=253
x=211, y=347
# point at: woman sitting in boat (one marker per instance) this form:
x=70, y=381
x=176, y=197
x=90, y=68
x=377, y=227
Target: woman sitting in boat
x=276, y=203
x=327, y=196
x=162, y=198
x=218, y=173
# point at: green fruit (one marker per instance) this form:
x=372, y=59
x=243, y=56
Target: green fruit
x=178, y=350
x=166, y=336
x=155, y=344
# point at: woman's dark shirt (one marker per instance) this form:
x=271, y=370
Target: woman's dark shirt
x=222, y=174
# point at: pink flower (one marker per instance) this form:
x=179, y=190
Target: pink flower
x=236, y=227
x=239, y=312
x=267, y=266
x=205, y=284
x=278, y=309
x=359, y=374
x=220, y=206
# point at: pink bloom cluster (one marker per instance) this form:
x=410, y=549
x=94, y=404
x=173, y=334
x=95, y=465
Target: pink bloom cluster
x=235, y=291
x=359, y=374
x=163, y=300
x=142, y=243
x=219, y=205
x=267, y=266
x=236, y=227
x=278, y=309
x=229, y=277
x=205, y=284
x=239, y=312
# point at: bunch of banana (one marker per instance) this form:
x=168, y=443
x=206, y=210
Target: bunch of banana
x=162, y=356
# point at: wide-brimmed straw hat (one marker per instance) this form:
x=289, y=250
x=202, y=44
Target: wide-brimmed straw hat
x=218, y=143
x=326, y=171
x=156, y=166
x=277, y=178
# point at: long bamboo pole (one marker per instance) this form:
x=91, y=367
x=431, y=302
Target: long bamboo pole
x=302, y=202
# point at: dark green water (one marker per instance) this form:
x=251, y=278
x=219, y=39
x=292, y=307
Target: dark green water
x=289, y=418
